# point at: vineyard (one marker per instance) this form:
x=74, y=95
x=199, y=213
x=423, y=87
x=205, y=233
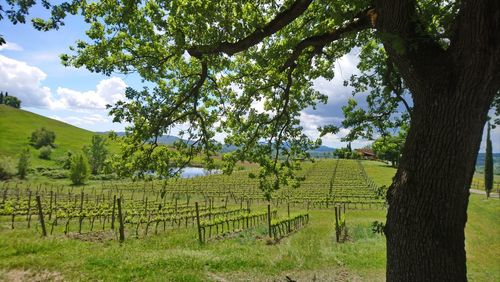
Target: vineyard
x=218, y=205
x=321, y=230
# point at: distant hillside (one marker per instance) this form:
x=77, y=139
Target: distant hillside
x=17, y=125
x=321, y=151
x=165, y=139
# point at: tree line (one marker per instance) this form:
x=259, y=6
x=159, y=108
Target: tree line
x=9, y=100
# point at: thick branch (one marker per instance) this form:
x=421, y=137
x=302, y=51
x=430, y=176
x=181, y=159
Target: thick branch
x=476, y=42
x=280, y=21
x=396, y=89
x=362, y=20
x=417, y=55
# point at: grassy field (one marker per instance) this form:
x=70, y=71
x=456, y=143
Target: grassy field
x=478, y=181
x=311, y=254
x=16, y=128
x=177, y=256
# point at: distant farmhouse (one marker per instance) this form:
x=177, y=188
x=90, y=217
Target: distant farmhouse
x=367, y=154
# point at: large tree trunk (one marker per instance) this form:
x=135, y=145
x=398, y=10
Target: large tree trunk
x=429, y=196
x=452, y=90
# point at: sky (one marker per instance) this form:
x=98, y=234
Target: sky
x=30, y=69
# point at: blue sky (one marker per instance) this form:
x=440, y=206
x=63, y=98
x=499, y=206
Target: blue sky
x=31, y=70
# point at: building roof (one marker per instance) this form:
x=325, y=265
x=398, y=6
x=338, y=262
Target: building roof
x=366, y=152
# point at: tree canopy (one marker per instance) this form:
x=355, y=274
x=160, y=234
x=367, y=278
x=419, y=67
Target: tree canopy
x=434, y=63
x=42, y=137
x=96, y=153
x=9, y=100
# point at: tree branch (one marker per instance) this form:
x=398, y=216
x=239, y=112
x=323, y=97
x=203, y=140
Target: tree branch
x=476, y=40
x=417, y=55
x=362, y=20
x=280, y=21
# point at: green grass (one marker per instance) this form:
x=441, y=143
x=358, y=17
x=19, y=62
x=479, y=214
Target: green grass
x=380, y=172
x=17, y=125
x=176, y=255
x=307, y=254
x=482, y=239
x=478, y=181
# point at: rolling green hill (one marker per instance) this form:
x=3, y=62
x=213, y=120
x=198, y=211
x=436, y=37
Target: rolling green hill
x=17, y=125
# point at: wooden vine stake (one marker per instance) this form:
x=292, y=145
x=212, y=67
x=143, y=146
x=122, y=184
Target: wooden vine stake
x=337, y=225
x=80, y=220
x=40, y=215
x=113, y=213
x=198, y=222
x=120, y=220
x=269, y=219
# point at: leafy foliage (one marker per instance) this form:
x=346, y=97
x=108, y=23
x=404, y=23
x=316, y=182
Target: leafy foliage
x=96, y=153
x=66, y=160
x=345, y=153
x=9, y=100
x=496, y=106
x=42, y=137
x=378, y=227
x=23, y=163
x=79, y=170
x=390, y=147
x=45, y=152
x=7, y=168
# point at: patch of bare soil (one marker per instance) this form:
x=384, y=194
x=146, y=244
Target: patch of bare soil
x=97, y=236
x=21, y=275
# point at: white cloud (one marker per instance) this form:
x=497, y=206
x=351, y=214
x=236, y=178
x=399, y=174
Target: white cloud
x=11, y=46
x=311, y=122
x=335, y=89
x=25, y=82
x=108, y=91
x=90, y=119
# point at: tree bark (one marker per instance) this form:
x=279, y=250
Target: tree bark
x=429, y=196
x=452, y=90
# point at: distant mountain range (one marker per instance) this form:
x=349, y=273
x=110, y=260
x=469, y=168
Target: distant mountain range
x=169, y=140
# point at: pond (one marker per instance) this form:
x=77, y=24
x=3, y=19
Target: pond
x=190, y=172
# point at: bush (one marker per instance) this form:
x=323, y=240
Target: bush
x=79, y=170
x=23, y=163
x=45, y=152
x=111, y=176
x=42, y=137
x=55, y=173
x=7, y=168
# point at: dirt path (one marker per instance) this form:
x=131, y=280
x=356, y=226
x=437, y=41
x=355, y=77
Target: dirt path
x=481, y=192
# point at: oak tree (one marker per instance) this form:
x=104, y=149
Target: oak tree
x=213, y=61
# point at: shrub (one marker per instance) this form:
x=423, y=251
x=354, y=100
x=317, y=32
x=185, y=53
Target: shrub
x=79, y=170
x=45, y=152
x=55, y=173
x=23, y=163
x=42, y=137
x=7, y=168
x=111, y=176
